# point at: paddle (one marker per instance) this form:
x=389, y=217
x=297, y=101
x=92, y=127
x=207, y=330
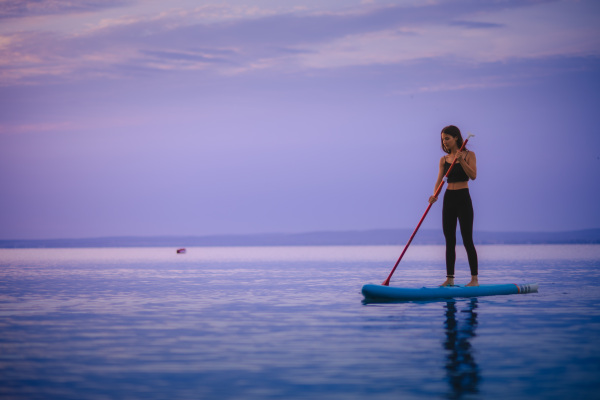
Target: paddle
x=437, y=192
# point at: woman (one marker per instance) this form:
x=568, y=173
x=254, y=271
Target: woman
x=457, y=201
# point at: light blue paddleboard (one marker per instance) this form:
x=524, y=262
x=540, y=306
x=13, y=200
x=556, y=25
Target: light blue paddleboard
x=380, y=293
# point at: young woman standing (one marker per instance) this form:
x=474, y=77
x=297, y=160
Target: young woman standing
x=457, y=204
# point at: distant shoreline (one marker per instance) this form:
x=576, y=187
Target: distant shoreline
x=321, y=238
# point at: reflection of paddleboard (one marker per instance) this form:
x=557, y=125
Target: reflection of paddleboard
x=381, y=293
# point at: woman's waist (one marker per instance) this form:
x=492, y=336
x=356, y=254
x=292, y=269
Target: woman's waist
x=457, y=185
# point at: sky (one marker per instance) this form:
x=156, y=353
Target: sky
x=151, y=118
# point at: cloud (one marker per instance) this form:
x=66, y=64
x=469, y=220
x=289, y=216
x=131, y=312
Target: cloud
x=29, y=8
x=37, y=127
x=477, y=25
x=228, y=40
x=187, y=56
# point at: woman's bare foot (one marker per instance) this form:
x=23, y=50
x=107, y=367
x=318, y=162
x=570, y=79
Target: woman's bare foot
x=474, y=281
x=449, y=282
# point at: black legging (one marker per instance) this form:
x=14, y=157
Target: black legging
x=458, y=206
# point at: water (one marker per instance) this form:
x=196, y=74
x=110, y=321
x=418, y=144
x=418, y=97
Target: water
x=288, y=323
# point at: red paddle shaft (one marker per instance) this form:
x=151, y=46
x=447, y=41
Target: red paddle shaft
x=437, y=192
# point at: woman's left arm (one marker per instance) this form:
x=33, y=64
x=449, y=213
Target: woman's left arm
x=469, y=164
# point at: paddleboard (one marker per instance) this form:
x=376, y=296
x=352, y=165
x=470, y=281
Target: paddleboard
x=380, y=293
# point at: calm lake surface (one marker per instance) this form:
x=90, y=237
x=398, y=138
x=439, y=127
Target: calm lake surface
x=289, y=323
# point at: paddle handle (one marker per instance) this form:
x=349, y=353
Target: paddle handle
x=436, y=194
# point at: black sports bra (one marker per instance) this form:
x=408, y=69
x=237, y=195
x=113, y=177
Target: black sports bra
x=457, y=174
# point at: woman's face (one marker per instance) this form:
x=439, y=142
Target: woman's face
x=448, y=141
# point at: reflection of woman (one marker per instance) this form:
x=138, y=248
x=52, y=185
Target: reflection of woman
x=457, y=201
x=461, y=368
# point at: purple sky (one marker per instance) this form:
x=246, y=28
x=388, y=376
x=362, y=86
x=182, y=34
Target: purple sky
x=127, y=117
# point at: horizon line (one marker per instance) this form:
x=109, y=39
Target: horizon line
x=281, y=233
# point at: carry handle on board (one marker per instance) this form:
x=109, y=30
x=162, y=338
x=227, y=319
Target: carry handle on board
x=436, y=194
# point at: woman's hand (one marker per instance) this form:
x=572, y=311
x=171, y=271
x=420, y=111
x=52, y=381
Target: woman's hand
x=432, y=199
x=459, y=157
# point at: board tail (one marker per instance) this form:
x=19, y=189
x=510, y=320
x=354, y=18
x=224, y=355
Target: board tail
x=527, y=288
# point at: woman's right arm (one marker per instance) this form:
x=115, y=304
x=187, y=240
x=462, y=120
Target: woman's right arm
x=433, y=199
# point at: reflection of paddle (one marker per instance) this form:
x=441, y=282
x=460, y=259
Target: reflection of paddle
x=437, y=192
